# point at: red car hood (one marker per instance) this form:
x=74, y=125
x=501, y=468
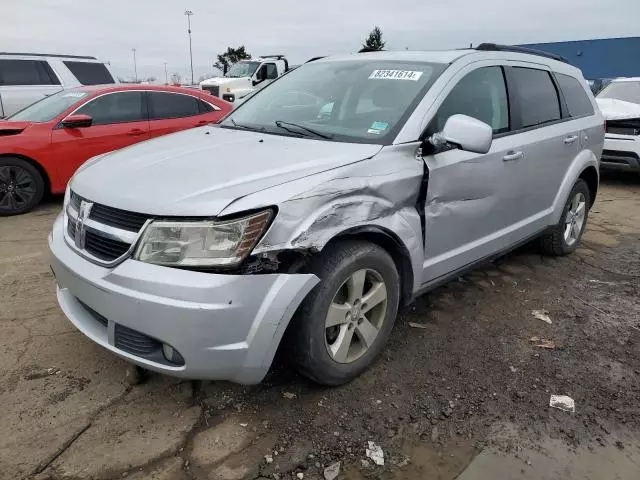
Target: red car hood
x=7, y=127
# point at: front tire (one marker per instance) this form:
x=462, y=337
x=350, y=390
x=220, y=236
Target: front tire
x=21, y=186
x=344, y=323
x=564, y=238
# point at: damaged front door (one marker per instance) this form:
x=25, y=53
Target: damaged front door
x=467, y=205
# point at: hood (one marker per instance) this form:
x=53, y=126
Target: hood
x=7, y=127
x=199, y=172
x=614, y=109
x=226, y=81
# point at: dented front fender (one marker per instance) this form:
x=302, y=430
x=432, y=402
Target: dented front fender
x=380, y=192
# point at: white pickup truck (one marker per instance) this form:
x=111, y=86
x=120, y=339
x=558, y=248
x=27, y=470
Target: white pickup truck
x=246, y=76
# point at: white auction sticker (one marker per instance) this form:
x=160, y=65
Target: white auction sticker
x=395, y=75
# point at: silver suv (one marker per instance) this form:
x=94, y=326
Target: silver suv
x=321, y=205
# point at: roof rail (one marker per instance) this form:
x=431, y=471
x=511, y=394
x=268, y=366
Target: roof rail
x=492, y=47
x=17, y=54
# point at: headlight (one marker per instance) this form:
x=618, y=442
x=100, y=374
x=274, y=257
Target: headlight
x=201, y=244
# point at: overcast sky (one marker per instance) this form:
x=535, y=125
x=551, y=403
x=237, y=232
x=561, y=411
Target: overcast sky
x=301, y=29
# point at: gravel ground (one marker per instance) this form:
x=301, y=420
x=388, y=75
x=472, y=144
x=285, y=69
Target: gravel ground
x=463, y=385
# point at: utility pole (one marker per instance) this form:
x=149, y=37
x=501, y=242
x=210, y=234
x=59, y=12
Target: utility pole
x=166, y=77
x=188, y=13
x=135, y=65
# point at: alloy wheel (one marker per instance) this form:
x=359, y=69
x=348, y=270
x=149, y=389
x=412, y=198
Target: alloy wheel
x=17, y=188
x=574, y=220
x=355, y=316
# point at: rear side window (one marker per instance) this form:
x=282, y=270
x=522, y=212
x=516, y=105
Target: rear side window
x=204, y=107
x=163, y=105
x=539, y=102
x=120, y=107
x=578, y=102
x=27, y=72
x=89, y=73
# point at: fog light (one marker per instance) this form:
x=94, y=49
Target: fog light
x=172, y=355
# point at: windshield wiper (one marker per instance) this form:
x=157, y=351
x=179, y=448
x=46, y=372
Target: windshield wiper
x=246, y=127
x=281, y=123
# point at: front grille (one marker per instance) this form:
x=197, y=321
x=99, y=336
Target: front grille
x=104, y=248
x=617, y=156
x=213, y=90
x=134, y=342
x=115, y=217
x=71, y=229
x=75, y=201
x=624, y=127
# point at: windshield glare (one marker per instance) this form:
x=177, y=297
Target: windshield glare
x=354, y=101
x=242, y=69
x=626, y=91
x=49, y=107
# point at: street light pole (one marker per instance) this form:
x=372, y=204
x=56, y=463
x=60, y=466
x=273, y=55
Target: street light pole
x=188, y=13
x=166, y=77
x=135, y=65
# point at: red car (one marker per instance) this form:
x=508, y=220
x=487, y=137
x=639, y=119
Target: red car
x=43, y=145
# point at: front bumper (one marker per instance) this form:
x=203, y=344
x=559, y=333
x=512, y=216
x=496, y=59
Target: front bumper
x=621, y=153
x=225, y=327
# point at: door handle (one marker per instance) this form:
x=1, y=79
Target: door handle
x=570, y=139
x=512, y=156
x=202, y=122
x=136, y=132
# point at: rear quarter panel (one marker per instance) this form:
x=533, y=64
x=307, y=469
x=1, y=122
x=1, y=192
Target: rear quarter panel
x=590, y=151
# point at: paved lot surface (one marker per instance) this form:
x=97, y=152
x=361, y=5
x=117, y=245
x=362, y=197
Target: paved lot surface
x=465, y=395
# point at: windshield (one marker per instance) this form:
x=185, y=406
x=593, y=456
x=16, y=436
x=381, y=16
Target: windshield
x=626, y=91
x=360, y=100
x=49, y=107
x=242, y=69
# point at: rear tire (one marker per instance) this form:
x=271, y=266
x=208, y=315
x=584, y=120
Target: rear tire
x=21, y=186
x=336, y=334
x=565, y=237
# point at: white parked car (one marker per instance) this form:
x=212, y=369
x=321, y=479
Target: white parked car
x=245, y=77
x=620, y=105
x=26, y=78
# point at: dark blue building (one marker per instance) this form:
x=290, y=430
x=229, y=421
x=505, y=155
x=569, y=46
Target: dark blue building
x=599, y=58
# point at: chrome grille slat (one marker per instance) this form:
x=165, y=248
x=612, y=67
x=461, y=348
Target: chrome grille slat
x=107, y=234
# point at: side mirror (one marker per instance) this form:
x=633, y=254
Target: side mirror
x=77, y=121
x=468, y=133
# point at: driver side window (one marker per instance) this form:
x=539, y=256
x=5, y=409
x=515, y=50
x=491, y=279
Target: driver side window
x=271, y=71
x=481, y=94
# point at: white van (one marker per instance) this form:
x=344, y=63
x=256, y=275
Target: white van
x=27, y=77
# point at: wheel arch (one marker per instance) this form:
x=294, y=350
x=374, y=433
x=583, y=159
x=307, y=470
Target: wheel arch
x=591, y=178
x=392, y=244
x=34, y=164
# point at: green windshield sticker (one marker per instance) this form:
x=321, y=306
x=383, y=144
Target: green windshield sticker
x=377, y=127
